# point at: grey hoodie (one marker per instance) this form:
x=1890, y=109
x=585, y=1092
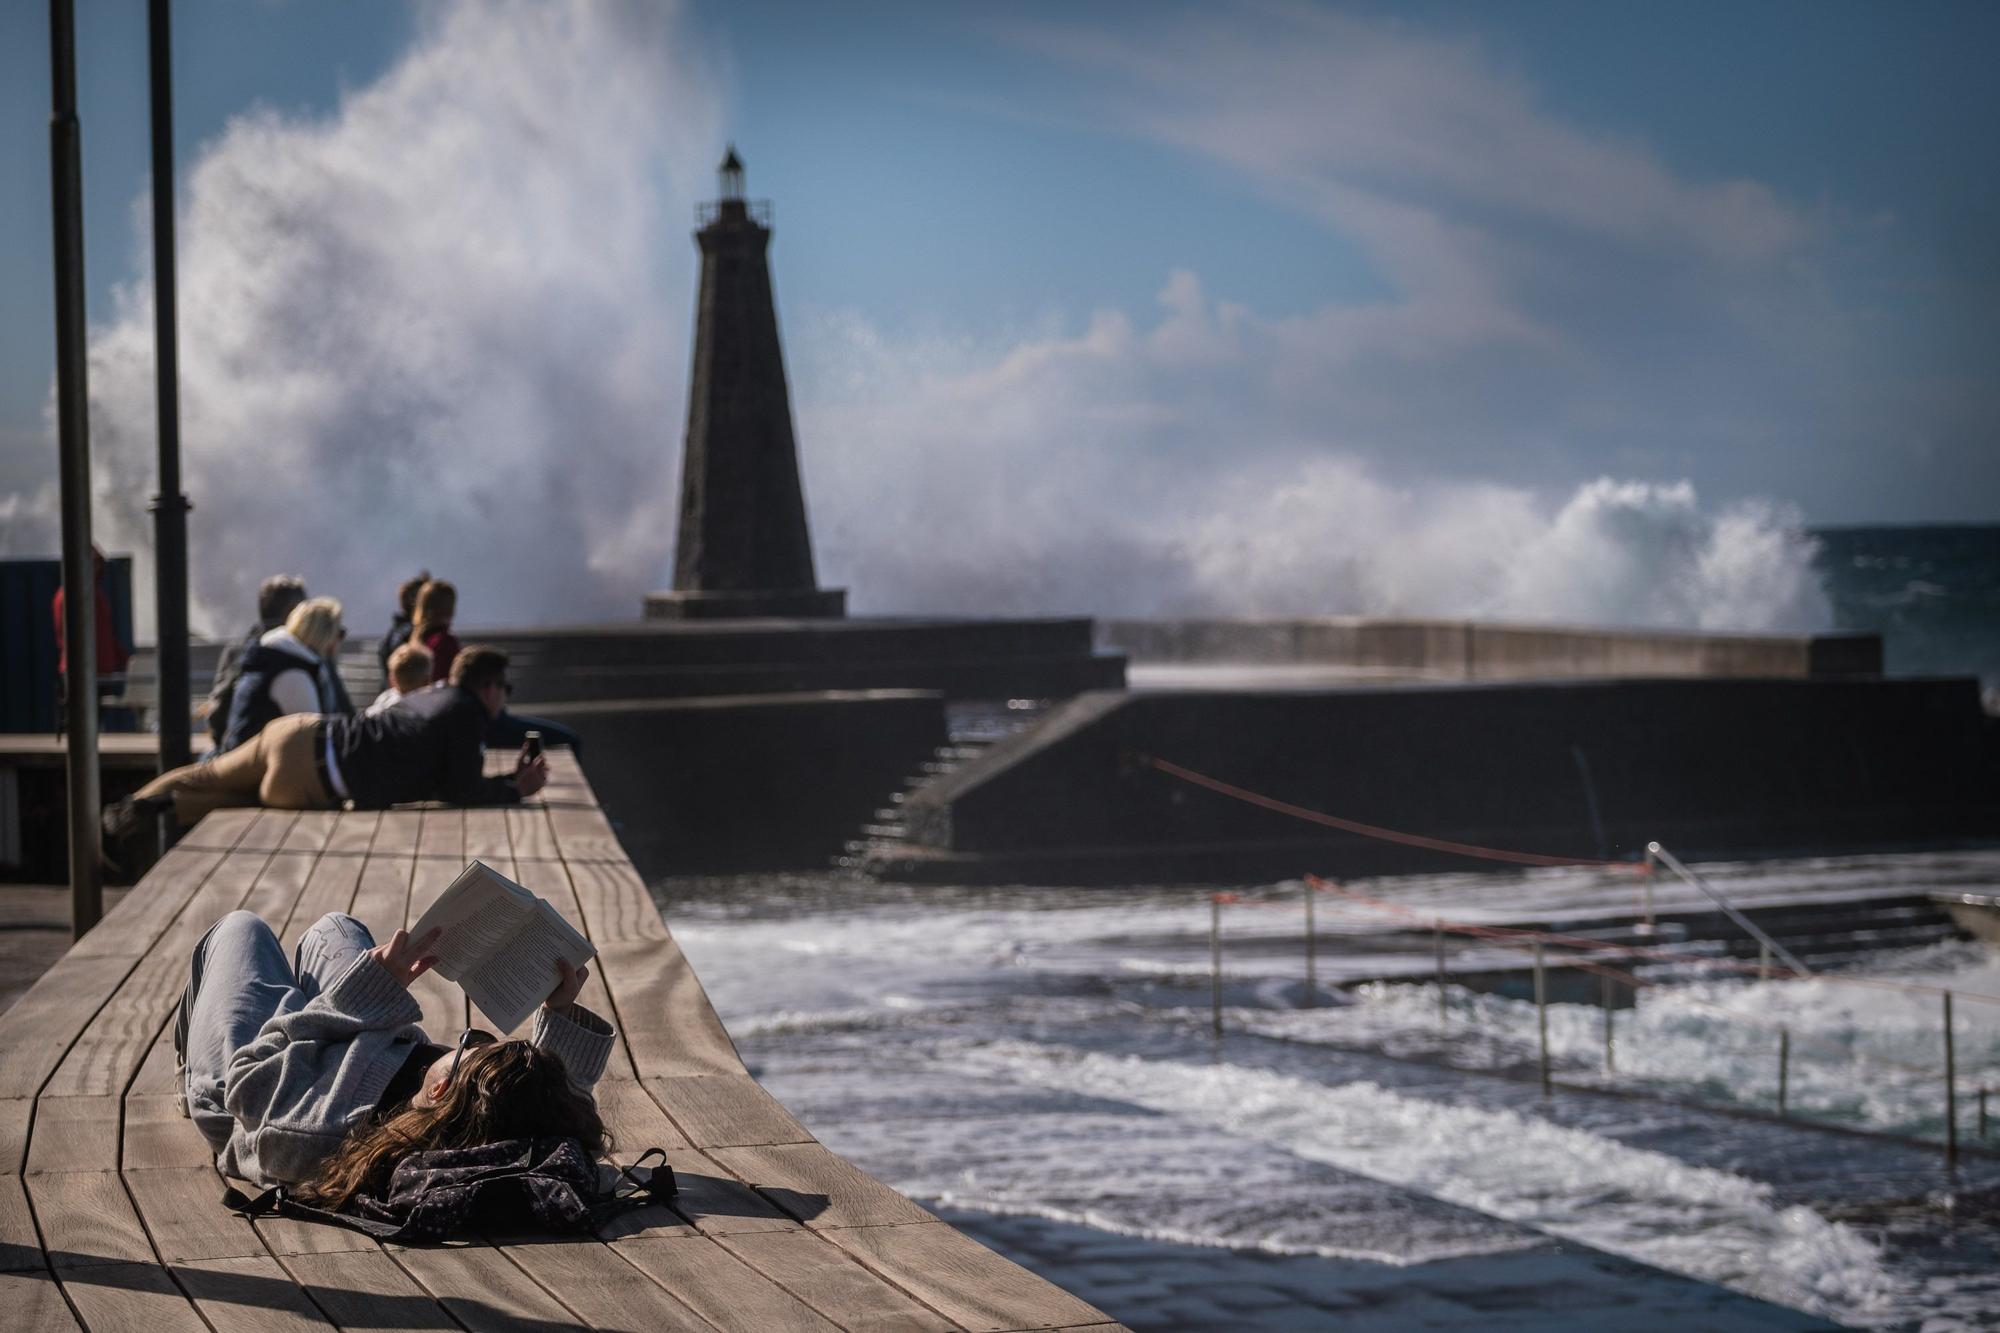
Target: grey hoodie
x=311, y=1075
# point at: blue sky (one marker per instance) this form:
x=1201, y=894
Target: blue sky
x=1422, y=265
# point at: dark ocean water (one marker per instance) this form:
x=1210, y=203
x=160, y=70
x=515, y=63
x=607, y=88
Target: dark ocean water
x=1933, y=593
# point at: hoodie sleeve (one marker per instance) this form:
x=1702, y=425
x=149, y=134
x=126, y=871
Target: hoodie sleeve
x=581, y=1038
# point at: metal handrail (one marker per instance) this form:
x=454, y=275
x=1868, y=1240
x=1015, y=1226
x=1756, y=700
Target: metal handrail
x=1779, y=951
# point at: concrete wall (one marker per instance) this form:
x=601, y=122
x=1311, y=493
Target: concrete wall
x=1582, y=769
x=1461, y=650
x=752, y=782
x=660, y=659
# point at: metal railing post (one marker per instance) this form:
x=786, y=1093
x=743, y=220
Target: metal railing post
x=1610, y=1064
x=1542, y=1014
x=1784, y=1067
x=1215, y=962
x=1312, y=977
x=1950, y=1090
x=1437, y=955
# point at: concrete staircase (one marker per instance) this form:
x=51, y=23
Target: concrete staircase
x=974, y=728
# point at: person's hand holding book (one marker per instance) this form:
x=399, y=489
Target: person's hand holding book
x=406, y=959
x=568, y=988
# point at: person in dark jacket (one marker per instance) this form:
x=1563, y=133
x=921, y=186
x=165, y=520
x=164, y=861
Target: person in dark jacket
x=427, y=748
x=290, y=670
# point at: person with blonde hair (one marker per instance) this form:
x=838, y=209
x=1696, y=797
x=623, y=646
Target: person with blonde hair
x=430, y=626
x=409, y=671
x=291, y=670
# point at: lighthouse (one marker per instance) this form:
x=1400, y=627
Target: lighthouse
x=743, y=548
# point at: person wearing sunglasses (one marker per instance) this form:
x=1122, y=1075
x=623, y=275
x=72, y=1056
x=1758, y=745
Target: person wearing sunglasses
x=316, y=1071
x=430, y=747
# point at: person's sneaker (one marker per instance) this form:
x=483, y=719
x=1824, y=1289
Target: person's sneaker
x=133, y=815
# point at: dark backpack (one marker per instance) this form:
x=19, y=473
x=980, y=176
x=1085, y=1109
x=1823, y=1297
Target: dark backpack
x=517, y=1185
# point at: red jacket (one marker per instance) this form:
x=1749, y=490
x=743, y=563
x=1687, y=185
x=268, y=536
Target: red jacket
x=111, y=654
x=444, y=647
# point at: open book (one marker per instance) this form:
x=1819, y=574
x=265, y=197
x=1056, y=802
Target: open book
x=500, y=944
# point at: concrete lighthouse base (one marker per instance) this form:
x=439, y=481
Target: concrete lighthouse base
x=750, y=603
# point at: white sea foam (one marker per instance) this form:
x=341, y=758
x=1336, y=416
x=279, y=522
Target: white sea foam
x=1691, y=1219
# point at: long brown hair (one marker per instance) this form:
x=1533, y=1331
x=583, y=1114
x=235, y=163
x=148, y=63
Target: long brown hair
x=508, y=1090
x=437, y=603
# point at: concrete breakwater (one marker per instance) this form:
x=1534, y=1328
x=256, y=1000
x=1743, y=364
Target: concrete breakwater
x=1583, y=769
x=1475, y=650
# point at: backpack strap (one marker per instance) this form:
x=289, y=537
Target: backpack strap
x=275, y=1200
x=630, y=1190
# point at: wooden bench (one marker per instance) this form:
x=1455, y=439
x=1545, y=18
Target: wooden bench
x=110, y=1213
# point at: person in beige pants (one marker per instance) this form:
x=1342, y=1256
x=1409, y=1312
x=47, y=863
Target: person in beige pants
x=278, y=767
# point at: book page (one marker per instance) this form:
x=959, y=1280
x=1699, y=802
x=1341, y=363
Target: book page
x=519, y=976
x=480, y=912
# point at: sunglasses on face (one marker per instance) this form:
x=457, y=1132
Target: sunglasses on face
x=469, y=1037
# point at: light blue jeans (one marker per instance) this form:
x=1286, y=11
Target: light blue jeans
x=239, y=979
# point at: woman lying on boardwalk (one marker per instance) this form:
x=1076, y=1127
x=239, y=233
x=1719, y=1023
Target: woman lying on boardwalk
x=316, y=1072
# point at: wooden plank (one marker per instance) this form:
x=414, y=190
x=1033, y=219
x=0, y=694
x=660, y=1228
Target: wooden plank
x=397, y=832
x=157, y=1074
x=33, y=1300
x=529, y=833
x=663, y=1012
x=158, y=1134
x=218, y=831
x=278, y=887
x=15, y=1115
x=443, y=835
x=953, y=1273
x=107, y=1053
x=248, y=1295
x=309, y=831
x=130, y=928
x=42, y=1024
x=819, y=1187
x=130, y=1298
x=615, y=903
x=720, y=1287
x=353, y=833
x=382, y=898
x=634, y=1119
x=832, y=1282
x=602, y=1288
x=183, y=1212
x=481, y=1289
x=268, y=831
x=583, y=833
x=714, y=1201
x=286, y=1237
x=86, y=1218
x=366, y=1289
x=20, y=1243
x=726, y=1111
x=486, y=836
x=329, y=888
x=77, y=1133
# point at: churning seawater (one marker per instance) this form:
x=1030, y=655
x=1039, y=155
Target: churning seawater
x=1023, y=1052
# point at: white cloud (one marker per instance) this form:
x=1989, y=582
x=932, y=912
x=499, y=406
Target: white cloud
x=444, y=326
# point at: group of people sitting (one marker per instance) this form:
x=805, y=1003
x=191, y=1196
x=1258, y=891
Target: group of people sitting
x=287, y=735
x=313, y=1071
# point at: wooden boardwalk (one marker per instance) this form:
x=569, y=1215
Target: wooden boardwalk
x=110, y=1213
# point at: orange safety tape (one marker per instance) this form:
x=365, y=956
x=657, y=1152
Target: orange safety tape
x=1376, y=830
x=1506, y=933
